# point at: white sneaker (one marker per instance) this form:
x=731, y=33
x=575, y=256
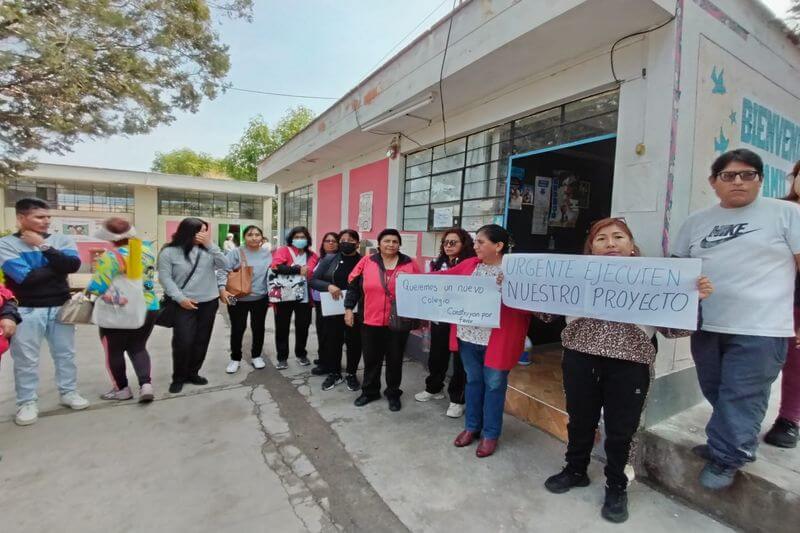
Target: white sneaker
x=118, y=394
x=75, y=401
x=27, y=414
x=258, y=363
x=425, y=396
x=233, y=367
x=455, y=410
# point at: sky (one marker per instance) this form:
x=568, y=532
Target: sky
x=308, y=47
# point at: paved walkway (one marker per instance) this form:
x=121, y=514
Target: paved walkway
x=260, y=451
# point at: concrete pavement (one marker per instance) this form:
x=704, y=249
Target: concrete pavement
x=265, y=451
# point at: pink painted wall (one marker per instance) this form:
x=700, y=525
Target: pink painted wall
x=329, y=205
x=372, y=177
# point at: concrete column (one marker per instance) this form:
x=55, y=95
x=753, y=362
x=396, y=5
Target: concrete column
x=394, y=192
x=145, y=211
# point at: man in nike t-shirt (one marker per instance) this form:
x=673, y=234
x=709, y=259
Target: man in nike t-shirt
x=750, y=247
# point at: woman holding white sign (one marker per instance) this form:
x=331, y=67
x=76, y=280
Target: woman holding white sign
x=456, y=246
x=488, y=354
x=383, y=333
x=607, y=367
x=330, y=277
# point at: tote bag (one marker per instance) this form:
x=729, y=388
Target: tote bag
x=240, y=281
x=127, y=309
x=286, y=287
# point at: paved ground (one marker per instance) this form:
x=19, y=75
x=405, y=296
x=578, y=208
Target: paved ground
x=260, y=451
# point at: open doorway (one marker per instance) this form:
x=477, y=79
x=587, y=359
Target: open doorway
x=224, y=230
x=553, y=197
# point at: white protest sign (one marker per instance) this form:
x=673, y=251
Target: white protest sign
x=637, y=290
x=465, y=300
x=331, y=307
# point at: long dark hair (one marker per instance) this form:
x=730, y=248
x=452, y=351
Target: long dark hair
x=299, y=229
x=793, y=196
x=322, y=252
x=496, y=234
x=184, y=236
x=467, y=249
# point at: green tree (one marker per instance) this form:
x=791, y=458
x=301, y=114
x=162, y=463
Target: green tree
x=94, y=68
x=188, y=162
x=260, y=141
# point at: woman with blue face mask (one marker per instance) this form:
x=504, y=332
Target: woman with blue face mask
x=295, y=259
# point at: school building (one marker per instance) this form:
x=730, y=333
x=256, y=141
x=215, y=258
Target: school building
x=82, y=197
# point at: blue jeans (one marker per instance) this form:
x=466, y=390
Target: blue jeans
x=485, y=392
x=736, y=373
x=40, y=323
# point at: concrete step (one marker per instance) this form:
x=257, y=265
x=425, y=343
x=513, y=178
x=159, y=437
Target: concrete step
x=765, y=496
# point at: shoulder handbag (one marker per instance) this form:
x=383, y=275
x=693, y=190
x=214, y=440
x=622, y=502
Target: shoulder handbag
x=240, y=280
x=77, y=310
x=168, y=308
x=397, y=323
x=128, y=309
x=286, y=287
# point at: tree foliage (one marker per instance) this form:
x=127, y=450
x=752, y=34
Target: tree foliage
x=260, y=141
x=187, y=162
x=94, y=68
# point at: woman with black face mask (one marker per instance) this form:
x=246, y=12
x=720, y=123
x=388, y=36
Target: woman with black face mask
x=331, y=276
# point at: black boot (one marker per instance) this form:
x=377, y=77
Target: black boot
x=784, y=434
x=565, y=480
x=615, y=508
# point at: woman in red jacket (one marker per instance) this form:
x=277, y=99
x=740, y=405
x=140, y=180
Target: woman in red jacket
x=295, y=259
x=373, y=282
x=488, y=354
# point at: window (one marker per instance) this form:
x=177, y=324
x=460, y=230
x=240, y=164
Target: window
x=65, y=196
x=467, y=177
x=297, y=208
x=209, y=205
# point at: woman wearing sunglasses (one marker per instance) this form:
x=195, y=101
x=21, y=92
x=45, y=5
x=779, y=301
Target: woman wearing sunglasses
x=456, y=246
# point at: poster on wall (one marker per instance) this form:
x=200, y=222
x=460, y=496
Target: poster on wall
x=738, y=107
x=410, y=244
x=541, y=205
x=365, y=211
x=565, y=206
x=80, y=229
x=527, y=194
x=515, y=194
x=443, y=217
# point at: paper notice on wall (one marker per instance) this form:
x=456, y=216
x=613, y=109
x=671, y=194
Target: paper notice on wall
x=635, y=290
x=443, y=217
x=410, y=244
x=465, y=300
x=80, y=229
x=365, y=211
x=541, y=205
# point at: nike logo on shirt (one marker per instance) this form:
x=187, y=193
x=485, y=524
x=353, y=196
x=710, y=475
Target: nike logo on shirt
x=725, y=233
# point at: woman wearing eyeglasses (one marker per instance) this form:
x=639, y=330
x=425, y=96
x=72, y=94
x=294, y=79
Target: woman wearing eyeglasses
x=456, y=246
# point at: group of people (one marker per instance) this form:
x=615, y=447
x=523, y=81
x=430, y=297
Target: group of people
x=750, y=247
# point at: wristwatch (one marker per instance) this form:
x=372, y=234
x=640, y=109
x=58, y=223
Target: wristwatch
x=44, y=247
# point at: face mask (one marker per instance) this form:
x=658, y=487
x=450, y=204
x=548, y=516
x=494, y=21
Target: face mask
x=300, y=244
x=347, y=248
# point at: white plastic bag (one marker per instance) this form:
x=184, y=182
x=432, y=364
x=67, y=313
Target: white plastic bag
x=128, y=308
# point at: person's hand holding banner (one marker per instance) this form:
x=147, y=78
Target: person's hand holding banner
x=464, y=300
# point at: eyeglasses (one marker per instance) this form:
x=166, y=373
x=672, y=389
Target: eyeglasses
x=451, y=243
x=330, y=241
x=730, y=175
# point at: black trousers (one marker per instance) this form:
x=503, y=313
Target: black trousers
x=337, y=334
x=283, y=323
x=380, y=343
x=439, y=362
x=134, y=341
x=319, y=325
x=619, y=387
x=257, y=309
x=190, y=337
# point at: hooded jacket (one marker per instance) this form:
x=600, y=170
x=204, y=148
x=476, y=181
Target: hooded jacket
x=365, y=281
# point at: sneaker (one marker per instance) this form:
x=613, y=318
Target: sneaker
x=426, y=396
x=331, y=381
x=282, y=365
x=717, y=476
x=455, y=410
x=75, y=401
x=146, y=393
x=232, y=368
x=118, y=394
x=352, y=382
x=258, y=363
x=319, y=371
x=27, y=414
x=565, y=480
x=615, y=508
x=784, y=434
x=303, y=361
